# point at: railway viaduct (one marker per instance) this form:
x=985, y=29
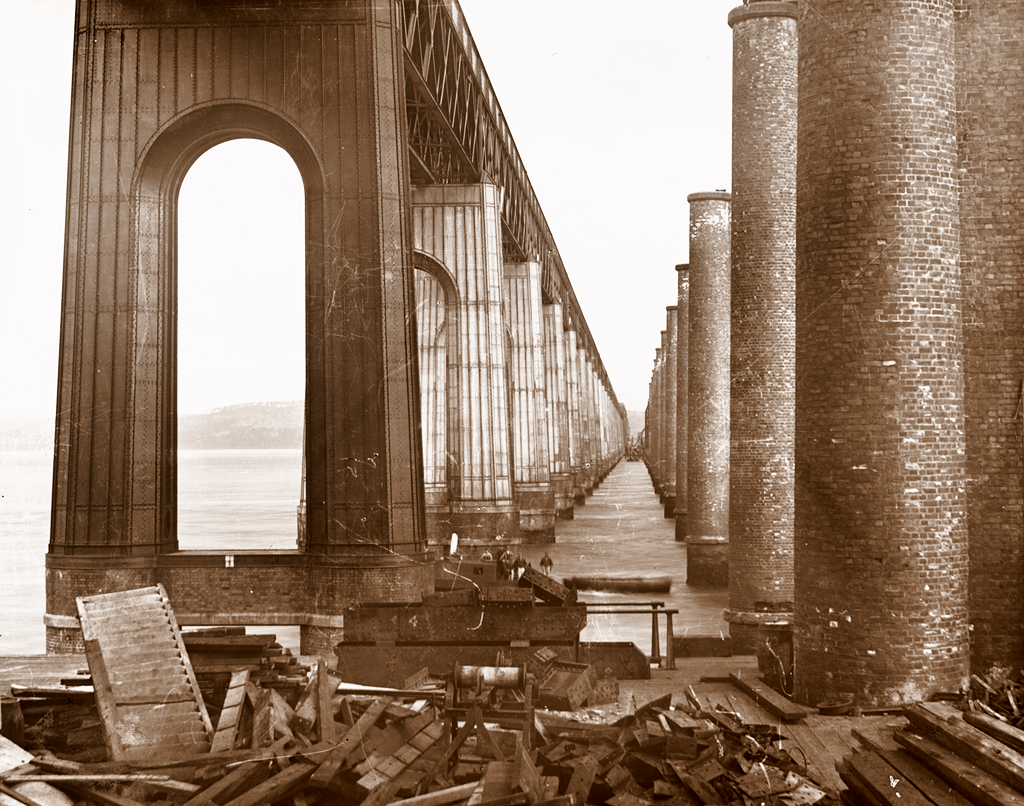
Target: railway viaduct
x=452, y=383
x=870, y=527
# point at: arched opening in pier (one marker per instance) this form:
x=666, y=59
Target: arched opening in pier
x=437, y=339
x=241, y=348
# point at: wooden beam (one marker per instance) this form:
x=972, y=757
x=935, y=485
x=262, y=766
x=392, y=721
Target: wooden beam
x=946, y=725
x=974, y=784
x=105, y=702
x=769, y=699
x=231, y=712
x=1004, y=732
x=349, y=742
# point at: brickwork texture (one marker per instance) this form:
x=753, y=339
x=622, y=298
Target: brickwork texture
x=880, y=531
x=763, y=349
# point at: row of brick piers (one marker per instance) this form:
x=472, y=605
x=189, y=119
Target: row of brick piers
x=834, y=405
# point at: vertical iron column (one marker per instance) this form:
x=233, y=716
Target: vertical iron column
x=558, y=410
x=682, y=381
x=707, y=516
x=531, y=480
x=880, y=530
x=579, y=496
x=763, y=392
x=459, y=226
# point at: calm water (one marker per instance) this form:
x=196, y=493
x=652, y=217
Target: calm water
x=247, y=498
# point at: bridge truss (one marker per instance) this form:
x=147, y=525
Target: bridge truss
x=458, y=134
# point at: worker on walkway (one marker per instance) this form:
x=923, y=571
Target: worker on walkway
x=546, y=564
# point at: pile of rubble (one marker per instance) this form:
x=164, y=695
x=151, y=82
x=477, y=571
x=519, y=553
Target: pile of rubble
x=327, y=742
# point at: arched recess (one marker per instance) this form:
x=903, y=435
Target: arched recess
x=437, y=311
x=152, y=294
x=241, y=344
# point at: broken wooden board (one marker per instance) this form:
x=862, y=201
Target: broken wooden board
x=230, y=713
x=11, y=757
x=146, y=691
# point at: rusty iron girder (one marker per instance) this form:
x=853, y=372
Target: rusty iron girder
x=495, y=623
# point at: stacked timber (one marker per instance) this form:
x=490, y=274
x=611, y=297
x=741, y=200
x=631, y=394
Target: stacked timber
x=943, y=757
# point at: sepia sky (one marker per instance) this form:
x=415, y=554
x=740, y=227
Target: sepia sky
x=618, y=111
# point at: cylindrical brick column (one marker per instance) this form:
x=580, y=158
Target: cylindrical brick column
x=880, y=541
x=763, y=389
x=663, y=418
x=707, y=500
x=669, y=397
x=682, y=380
x=654, y=462
x=991, y=220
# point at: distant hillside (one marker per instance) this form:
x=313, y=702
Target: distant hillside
x=248, y=425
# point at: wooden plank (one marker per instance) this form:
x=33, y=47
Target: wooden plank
x=452, y=794
x=325, y=687
x=349, y=742
x=526, y=774
x=241, y=779
x=105, y=701
x=275, y=787
x=231, y=712
x=819, y=760
x=1009, y=735
x=104, y=797
x=393, y=738
x=160, y=782
x=261, y=714
x=304, y=715
x=968, y=742
x=975, y=784
x=883, y=782
x=770, y=700
x=933, y=787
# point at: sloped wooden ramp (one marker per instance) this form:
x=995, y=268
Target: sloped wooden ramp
x=146, y=691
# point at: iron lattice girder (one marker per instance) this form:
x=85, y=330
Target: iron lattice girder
x=457, y=134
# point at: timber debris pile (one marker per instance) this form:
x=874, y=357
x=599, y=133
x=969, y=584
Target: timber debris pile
x=475, y=738
x=219, y=717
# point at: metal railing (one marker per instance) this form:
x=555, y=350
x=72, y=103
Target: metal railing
x=668, y=661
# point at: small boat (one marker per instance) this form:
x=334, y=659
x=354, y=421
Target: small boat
x=620, y=584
